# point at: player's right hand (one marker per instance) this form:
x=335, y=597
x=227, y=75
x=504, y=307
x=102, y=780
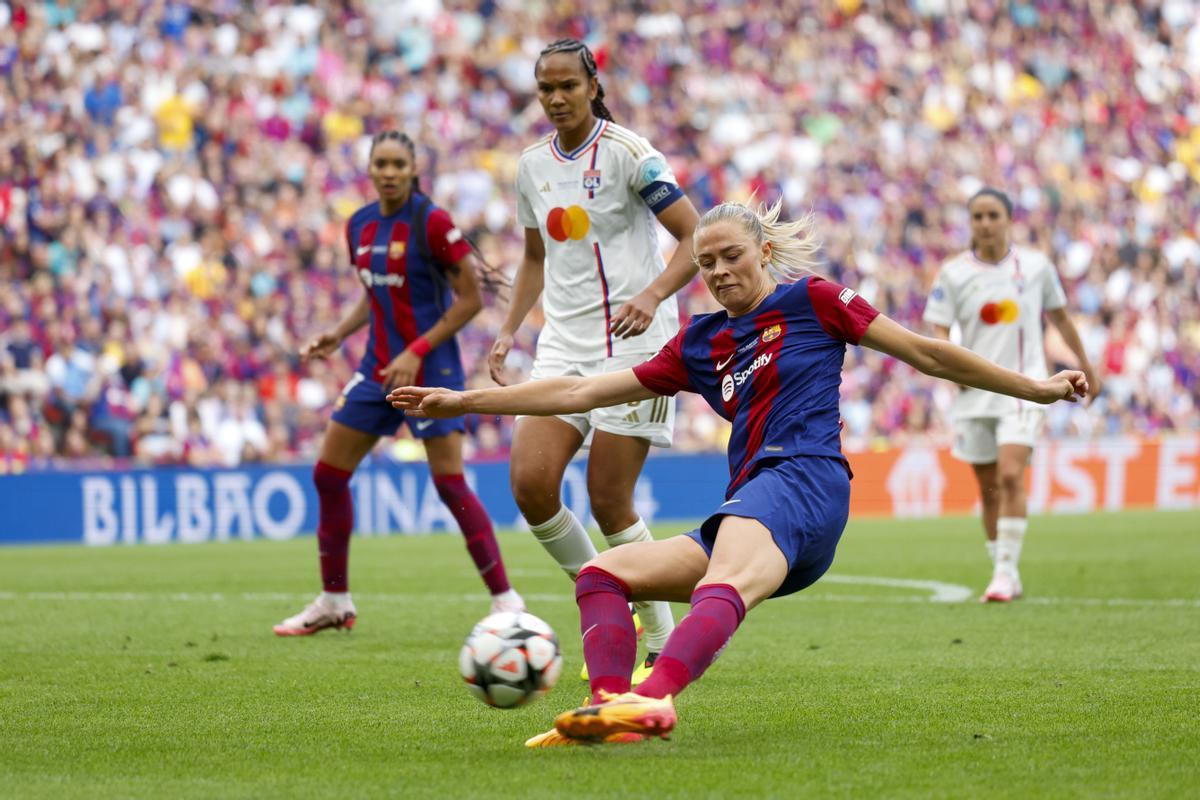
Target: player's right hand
x=427, y=401
x=503, y=344
x=322, y=345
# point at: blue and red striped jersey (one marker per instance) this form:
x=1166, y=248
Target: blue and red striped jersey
x=774, y=373
x=406, y=283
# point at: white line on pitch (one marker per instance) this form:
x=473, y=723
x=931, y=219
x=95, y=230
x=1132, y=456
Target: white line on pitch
x=942, y=592
x=418, y=597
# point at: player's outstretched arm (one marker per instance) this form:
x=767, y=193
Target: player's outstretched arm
x=943, y=359
x=537, y=398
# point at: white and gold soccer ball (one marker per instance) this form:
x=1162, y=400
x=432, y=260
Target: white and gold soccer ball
x=510, y=659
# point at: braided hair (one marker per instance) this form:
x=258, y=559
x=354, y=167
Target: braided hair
x=404, y=139
x=589, y=66
x=493, y=279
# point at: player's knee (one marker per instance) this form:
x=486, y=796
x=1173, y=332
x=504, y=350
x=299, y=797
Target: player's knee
x=594, y=578
x=328, y=480
x=1011, y=482
x=610, y=505
x=535, y=493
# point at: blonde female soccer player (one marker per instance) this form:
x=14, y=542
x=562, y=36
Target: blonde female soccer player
x=771, y=363
x=996, y=293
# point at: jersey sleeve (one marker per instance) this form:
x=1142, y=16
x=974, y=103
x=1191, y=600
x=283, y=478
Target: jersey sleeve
x=654, y=182
x=666, y=373
x=939, y=308
x=446, y=241
x=525, y=214
x=841, y=311
x=1053, y=295
x=349, y=242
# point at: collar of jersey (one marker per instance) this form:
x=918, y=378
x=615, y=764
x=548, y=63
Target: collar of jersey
x=1011, y=252
x=403, y=208
x=601, y=124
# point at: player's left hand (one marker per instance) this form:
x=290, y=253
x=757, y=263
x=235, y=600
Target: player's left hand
x=427, y=401
x=1070, y=385
x=634, y=316
x=402, y=370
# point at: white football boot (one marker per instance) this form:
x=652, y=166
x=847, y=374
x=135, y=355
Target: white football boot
x=1004, y=588
x=507, y=601
x=317, y=616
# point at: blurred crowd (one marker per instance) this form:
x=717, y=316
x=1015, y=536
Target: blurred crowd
x=175, y=178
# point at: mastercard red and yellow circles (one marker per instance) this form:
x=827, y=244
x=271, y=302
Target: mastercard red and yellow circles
x=567, y=223
x=1002, y=313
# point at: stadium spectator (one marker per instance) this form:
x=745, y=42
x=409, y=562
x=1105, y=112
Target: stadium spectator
x=186, y=169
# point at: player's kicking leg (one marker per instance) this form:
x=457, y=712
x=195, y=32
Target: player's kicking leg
x=614, y=464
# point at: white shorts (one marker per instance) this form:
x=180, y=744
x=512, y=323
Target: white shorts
x=977, y=440
x=652, y=419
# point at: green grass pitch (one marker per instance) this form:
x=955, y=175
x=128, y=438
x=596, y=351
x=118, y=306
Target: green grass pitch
x=152, y=673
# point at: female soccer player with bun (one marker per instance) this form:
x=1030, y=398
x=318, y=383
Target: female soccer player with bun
x=588, y=196
x=996, y=293
x=770, y=363
x=420, y=289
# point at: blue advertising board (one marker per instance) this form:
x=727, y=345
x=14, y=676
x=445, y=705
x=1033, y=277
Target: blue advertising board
x=155, y=506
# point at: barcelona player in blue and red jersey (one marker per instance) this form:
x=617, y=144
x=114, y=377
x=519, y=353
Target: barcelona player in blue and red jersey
x=770, y=363
x=420, y=285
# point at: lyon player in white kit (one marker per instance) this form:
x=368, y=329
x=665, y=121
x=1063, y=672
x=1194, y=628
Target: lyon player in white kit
x=590, y=196
x=996, y=294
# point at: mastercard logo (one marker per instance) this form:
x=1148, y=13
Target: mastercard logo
x=1001, y=313
x=567, y=223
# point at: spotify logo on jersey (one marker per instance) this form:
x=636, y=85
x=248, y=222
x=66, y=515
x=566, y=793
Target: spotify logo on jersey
x=727, y=387
x=567, y=223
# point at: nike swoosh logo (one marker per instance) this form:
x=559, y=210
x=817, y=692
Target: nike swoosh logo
x=724, y=363
x=423, y=424
x=589, y=630
x=730, y=502
x=363, y=250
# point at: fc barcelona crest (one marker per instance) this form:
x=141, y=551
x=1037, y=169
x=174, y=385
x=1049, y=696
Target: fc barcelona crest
x=396, y=251
x=771, y=333
x=591, y=180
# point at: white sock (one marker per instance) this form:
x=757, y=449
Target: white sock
x=991, y=548
x=1010, y=534
x=655, y=615
x=566, y=541
x=336, y=599
x=508, y=596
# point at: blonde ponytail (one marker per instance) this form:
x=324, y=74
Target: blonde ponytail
x=793, y=246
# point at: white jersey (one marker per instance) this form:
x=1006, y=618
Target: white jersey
x=595, y=209
x=998, y=308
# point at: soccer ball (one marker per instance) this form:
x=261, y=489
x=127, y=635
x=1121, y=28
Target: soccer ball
x=510, y=659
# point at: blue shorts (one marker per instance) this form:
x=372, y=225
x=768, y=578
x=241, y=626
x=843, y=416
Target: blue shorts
x=362, y=406
x=804, y=501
